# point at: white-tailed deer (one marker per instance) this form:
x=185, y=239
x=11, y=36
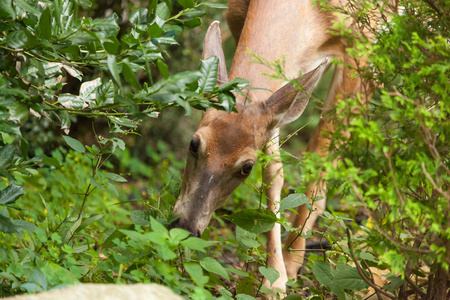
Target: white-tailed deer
x=222, y=151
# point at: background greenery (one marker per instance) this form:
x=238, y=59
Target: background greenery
x=89, y=175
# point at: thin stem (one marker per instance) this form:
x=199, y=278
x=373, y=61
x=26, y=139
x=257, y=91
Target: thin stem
x=361, y=271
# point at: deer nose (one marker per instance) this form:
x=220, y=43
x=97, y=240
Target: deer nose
x=186, y=226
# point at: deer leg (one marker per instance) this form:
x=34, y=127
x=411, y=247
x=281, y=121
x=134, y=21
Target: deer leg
x=342, y=87
x=293, y=252
x=273, y=179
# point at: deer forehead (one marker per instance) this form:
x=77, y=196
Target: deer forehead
x=228, y=137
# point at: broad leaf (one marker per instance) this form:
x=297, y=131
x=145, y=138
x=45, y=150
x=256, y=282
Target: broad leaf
x=115, y=177
x=7, y=226
x=112, y=66
x=348, y=277
x=45, y=24
x=186, y=3
x=208, y=70
x=213, y=266
x=196, y=243
x=10, y=194
x=293, y=201
x=253, y=220
x=196, y=272
x=130, y=76
x=322, y=271
x=87, y=88
x=74, y=144
x=270, y=273
x=6, y=156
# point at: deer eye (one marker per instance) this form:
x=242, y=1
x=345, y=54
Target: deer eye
x=246, y=169
x=193, y=146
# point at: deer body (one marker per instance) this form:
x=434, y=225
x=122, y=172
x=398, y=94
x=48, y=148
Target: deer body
x=222, y=151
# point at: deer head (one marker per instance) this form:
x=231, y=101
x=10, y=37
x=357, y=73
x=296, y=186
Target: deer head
x=222, y=152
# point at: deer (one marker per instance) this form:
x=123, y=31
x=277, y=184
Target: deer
x=223, y=150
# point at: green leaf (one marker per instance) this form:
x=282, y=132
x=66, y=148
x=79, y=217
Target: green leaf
x=56, y=274
x=154, y=30
x=24, y=225
x=244, y=297
x=213, y=266
x=196, y=243
x=270, y=273
x=227, y=101
x=112, y=46
x=246, y=238
x=84, y=3
x=18, y=111
x=112, y=66
x=178, y=234
x=253, y=220
x=117, y=234
x=347, y=277
x=27, y=7
x=87, y=89
x=74, y=144
x=163, y=68
x=10, y=194
x=7, y=226
x=162, y=11
x=6, y=10
x=155, y=238
x=237, y=271
x=158, y=227
x=195, y=271
x=65, y=121
x=51, y=161
x=208, y=78
x=214, y=5
x=115, y=177
x=6, y=156
x=293, y=297
x=293, y=201
x=71, y=101
x=166, y=40
x=167, y=253
x=130, y=76
x=142, y=217
x=92, y=219
x=186, y=3
x=322, y=272
x=45, y=30
x=135, y=236
x=367, y=256
x=191, y=23
x=72, y=230
x=245, y=286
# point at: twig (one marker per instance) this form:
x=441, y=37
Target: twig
x=394, y=181
x=415, y=287
x=444, y=194
x=361, y=272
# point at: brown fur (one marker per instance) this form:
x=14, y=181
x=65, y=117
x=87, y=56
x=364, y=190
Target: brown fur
x=272, y=29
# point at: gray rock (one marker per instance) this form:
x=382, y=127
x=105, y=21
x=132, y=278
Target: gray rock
x=105, y=292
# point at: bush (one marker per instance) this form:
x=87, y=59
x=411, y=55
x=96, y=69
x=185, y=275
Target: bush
x=392, y=153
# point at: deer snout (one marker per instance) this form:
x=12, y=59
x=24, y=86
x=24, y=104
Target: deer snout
x=186, y=226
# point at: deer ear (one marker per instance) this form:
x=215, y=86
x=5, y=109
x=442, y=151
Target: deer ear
x=288, y=103
x=213, y=47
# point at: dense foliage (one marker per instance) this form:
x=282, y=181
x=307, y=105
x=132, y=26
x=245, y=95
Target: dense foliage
x=391, y=151
x=90, y=212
